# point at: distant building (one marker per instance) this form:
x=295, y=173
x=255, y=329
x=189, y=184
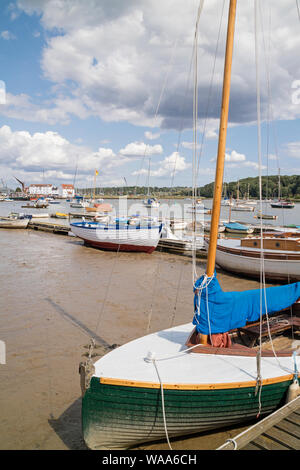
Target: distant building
x=55, y=191
x=67, y=190
x=40, y=189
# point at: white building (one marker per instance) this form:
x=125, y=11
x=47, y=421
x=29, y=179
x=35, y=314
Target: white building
x=40, y=189
x=67, y=191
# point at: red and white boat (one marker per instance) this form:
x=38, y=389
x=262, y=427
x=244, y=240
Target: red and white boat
x=119, y=237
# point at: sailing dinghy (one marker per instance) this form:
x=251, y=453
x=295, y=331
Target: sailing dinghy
x=198, y=376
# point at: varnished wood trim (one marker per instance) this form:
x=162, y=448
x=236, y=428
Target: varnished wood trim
x=210, y=386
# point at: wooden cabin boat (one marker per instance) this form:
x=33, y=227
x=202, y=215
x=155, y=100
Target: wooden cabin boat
x=281, y=254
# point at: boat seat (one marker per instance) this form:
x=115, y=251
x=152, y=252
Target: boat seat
x=277, y=324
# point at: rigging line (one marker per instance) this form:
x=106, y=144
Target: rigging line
x=268, y=108
x=210, y=90
x=107, y=289
x=156, y=276
x=267, y=61
x=262, y=268
x=195, y=114
x=177, y=295
x=185, y=103
x=298, y=9
x=194, y=251
x=159, y=100
x=183, y=119
x=256, y=19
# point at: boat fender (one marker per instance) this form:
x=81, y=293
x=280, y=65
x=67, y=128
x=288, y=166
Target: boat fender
x=293, y=391
x=294, y=388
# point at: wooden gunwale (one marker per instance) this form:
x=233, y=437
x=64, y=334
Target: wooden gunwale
x=208, y=386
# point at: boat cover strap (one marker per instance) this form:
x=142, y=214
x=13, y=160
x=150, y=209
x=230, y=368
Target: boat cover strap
x=219, y=312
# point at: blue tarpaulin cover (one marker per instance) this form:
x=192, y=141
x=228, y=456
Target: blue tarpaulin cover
x=225, y=311
x=236, y=226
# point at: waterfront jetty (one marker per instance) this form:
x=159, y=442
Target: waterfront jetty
x=49, y=227
x=278, y=431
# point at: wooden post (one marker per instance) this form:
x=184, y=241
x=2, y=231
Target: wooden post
x=211, y=258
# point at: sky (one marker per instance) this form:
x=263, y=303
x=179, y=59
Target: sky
x=107, y=85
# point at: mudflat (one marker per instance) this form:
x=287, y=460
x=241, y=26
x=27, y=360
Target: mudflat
x=56, y=295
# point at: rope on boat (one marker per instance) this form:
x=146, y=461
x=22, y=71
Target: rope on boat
x=162, y=403
x=205, y=285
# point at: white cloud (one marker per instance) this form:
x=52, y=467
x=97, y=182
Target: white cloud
x=189, y=145
x=117, y=56
x=7, y=35
x=169, y=166
x=152, y=136
x=141, y=149
x=49, y=151
x=234, y=157
x=293, y=149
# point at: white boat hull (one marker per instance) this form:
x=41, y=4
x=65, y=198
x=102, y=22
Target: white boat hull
x=124, y=238
x=277, y=265
x=243, y=208
x=14, y=223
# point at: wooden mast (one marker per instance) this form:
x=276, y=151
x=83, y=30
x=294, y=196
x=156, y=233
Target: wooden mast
x=211, y=258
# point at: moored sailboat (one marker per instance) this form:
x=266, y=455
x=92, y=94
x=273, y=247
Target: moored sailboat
x=185, y=379
x=281, y=256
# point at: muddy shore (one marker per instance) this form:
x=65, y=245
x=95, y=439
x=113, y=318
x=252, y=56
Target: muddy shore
x=56, y=294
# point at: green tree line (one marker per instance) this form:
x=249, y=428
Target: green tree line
x=289, y=189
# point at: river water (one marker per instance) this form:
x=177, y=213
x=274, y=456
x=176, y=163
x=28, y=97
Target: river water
x=55, y=295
